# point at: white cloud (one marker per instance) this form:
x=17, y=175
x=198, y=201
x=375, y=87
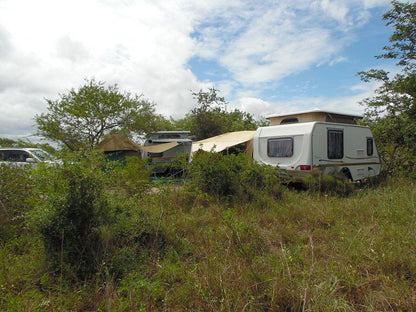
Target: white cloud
x=335, y=9
x=279, y=57
x=368, y=4
x=256, y=106
x=72, y=50
x=347, y=104
x=264, y=43
x=48, y=47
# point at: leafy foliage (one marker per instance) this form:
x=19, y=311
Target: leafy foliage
x=402, y=48
x=80, y=118
x=69, y=219
x=92, y=224
x=392, y=112
x=176, y=248
x=5, y=142
x=236, y=176
x=15, y=191
x=131, y=178
x=210, y=117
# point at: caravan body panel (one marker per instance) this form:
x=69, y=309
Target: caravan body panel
x=287, y=147
x=346, y=148
x=298, y=148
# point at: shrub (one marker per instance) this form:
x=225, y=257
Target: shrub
x=15, y=190
x=91, y=222
x=129, y=178
x=236, y=176
x=71, y=205
x=133, y=241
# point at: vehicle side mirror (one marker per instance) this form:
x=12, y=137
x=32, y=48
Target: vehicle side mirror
x=30, y=160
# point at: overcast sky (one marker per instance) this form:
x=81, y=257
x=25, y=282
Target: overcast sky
x=265, y=56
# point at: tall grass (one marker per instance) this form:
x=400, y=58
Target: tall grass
x=181, y=249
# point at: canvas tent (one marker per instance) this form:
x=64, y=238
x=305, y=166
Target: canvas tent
x=225, y=141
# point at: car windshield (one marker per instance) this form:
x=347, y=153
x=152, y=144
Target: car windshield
x=42, y=155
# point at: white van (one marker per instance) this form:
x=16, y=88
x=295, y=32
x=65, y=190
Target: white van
x=21, y=157
x=298, y=148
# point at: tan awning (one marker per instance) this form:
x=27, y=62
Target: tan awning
x=158, y=148
x=223, y=141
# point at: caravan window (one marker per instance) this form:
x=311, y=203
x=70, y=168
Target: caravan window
x=370, y=145
x=280, y=147
x=289, y=121
x=335, y=144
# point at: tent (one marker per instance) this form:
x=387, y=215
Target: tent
x=225, y=141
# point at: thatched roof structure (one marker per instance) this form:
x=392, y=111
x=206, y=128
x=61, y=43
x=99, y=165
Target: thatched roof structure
x=118, y=142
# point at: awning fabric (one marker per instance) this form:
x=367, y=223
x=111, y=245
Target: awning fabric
x=158, y=148
x=223, y=141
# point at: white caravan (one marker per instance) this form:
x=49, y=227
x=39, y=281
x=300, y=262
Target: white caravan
x=297, y=148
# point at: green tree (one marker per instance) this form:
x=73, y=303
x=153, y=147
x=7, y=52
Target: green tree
x=5, y=142
x=210, y=116
x=207, y=116
x=392, y=111
x=80, y=118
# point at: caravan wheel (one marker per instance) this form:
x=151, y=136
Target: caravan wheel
x=346, y=172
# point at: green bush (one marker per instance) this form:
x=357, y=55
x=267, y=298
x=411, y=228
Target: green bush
x=236, y=176
x=91, y=220
x=70, y=206
x=15, y=192
x=130, y=178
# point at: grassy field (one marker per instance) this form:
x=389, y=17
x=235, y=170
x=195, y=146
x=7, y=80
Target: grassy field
x=177, y=249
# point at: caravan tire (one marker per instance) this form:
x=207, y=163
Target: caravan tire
x=346, y=172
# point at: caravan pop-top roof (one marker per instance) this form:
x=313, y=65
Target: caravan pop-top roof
x=313, y=115
x=168, y=136
x=315, y=110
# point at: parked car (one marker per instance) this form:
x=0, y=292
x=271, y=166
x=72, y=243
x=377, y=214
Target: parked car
x=20, y=157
